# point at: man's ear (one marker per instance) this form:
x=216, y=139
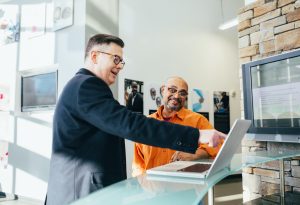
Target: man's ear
x=93, y=57
x=163, y=87
x=186, y=102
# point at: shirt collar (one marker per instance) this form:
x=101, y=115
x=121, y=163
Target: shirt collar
x=181, y=114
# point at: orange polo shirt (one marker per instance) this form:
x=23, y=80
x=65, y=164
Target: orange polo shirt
x=146, y=157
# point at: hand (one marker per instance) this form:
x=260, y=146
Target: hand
x=183, y=156
x=211, y=137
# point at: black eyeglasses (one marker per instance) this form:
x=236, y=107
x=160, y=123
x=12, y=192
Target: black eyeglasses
x=117, y=59
x=181, y=93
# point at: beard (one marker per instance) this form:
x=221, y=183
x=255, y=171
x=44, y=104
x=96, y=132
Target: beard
x=134, y=92
x=174, y=107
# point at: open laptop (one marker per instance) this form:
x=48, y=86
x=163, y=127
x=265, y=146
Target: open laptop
x=196, y=169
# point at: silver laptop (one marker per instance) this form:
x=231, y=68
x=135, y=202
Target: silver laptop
x=196, y=169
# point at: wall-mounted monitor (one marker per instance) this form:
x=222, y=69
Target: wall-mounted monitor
x=205, y=114
x=272, y=97
x=38, y=90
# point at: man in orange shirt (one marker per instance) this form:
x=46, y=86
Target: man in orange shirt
x=175, y=94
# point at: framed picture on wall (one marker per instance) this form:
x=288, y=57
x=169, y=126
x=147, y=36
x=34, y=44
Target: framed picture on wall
x=221, y=111
x=200, y=100
x=134, y=95
x=153, y=96
x=9, y=24
x=62, y=14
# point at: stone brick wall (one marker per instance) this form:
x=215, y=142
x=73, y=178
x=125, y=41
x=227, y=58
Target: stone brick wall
x=266, y=28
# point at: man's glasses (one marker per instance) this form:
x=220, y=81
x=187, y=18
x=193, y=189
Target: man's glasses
x=117, y=59
x=181, y=93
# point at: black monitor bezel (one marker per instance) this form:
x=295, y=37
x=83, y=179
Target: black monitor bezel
x=247, y=85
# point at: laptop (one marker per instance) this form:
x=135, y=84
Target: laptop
x=196, y=169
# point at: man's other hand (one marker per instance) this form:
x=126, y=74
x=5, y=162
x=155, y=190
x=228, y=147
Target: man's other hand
x=183, y=156
x=211, y=137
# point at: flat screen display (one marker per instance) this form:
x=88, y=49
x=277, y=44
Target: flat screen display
x=272, y=96
x=39, y=92
x=276, y=93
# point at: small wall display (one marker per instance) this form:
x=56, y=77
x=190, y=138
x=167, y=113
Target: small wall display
x=62, y=14
x=38, y=90
x=33, y=20
x=133, y=94
x=9, y=24
x=221, y=111
x=200, y=100
x=152, y=111
x=205, y=114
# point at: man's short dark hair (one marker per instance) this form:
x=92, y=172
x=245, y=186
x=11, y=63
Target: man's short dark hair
x=134, y=84
x=100, y=39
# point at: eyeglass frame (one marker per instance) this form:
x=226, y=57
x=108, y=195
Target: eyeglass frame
x=116, y=57
x=181, y=93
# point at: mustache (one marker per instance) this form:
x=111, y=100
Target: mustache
x=178, y=100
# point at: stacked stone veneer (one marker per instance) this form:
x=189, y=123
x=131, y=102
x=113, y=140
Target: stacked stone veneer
x=266, y=28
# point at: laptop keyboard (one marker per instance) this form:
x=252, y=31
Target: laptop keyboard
x=196, y=168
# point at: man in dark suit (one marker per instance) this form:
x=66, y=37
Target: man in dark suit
x=225, y=101
x=135, y=99
x=89, y=128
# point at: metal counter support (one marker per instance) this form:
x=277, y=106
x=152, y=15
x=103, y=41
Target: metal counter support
x=282, y=181
x=211, y=196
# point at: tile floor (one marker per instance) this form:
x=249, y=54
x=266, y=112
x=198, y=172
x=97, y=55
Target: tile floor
x=22, y=201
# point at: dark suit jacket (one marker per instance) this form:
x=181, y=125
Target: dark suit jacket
x=137, y=105
x=89, y=128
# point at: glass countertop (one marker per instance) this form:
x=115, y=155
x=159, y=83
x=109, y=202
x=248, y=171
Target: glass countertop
x=149, y=189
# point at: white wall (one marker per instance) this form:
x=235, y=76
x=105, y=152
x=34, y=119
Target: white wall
x=102, y=17
x=164, y=38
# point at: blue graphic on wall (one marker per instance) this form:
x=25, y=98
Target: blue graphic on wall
x=198, y=102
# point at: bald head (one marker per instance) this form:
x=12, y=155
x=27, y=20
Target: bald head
x=179, y=81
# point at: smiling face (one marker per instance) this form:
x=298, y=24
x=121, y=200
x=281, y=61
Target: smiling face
x=103, y=57
x=174, y=94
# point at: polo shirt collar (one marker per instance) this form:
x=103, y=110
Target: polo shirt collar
x=180, y=114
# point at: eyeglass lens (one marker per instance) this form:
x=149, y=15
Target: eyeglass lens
x=181, y=93
x=118, y=60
